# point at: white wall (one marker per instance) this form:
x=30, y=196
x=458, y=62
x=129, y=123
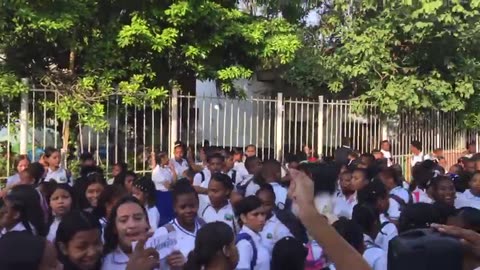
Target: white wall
x=233, y=122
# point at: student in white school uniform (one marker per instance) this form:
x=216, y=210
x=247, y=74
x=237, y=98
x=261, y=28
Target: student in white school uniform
x=61, y=203
x=163, y=175
x=368, y=218
x=202, y=179
x=443, y=191
x=249, y=186
x=185, y=225
x=271, y=174
x=163, y=171
x=418, y=187
x=471, y=197
x=55, y=172
x=178, y=161
x=417, y=154
x=128, y=224
x=219, y=207
x=399, y=196
x=346, y=199
x=228, y=166
x=214, y=248
x=144, y=191
x=21, y=211
x=375, y=194
x=274, y=229
x=252, y=253
x=239, y=166
x=21, y=164
x=79, y=242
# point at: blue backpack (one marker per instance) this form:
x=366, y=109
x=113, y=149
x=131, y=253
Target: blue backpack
x=247, y=237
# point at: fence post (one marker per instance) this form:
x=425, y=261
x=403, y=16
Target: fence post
x=279, y=127
x=173, y=120
x=384, y=128
x=24, y=119
x=437, y=136
x=320, y=127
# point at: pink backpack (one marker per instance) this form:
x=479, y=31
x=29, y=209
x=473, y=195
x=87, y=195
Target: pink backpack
x=313, y=263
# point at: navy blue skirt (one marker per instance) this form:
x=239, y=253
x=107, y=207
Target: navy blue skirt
x=164, y=205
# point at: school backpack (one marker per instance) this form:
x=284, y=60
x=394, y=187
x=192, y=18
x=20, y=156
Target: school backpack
x=425, y=249
x=242, y=188
x=401, y=202
x=247, y=237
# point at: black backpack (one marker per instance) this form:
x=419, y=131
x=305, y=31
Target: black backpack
x=401, y=202
x=424, y=249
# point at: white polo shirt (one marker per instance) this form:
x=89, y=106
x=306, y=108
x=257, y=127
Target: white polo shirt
x=272, y=232
x=52, y=231
x=252, y=187
x=280, y=194
x=180, y=166
x=343, y=207
x=59, y=176
x=185, y=239
x=420, y=195
x=374, y=255
x=225, y=214
x=467, y=199
x=401, y=193
x=242, y=172
x=393, y=209
x=417, y=159
x=153, y=217
x=388, y=156
x=19, y=227
x=115, y=260
x=197, y=179
x=161, y=176
x=386, y=234
x=245, y=252
x=233, y=174
x=12, y=180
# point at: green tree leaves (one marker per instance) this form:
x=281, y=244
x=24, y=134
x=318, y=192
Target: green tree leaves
x=417, y=55
x=89, y=50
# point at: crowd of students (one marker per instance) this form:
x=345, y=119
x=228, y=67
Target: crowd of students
x=228, y=209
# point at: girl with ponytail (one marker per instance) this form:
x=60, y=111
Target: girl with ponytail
x=214, y=248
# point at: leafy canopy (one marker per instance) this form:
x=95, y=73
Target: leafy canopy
x=89, y=50
x=395, y=54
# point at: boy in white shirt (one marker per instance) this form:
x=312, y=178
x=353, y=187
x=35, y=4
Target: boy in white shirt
x=228, y=166
x=202, y=179
x=248, y=186
x=274, y=229
x=271, y=173
x=239, y=166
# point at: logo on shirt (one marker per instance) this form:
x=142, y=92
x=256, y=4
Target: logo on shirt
x=269, y=236
x=228, y=217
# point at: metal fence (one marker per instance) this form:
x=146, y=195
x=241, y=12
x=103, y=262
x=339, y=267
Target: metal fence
x=277, y=126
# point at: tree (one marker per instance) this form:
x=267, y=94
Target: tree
x=397, y=55
x=89, y=50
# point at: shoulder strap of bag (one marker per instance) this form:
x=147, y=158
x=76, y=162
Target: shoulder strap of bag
x=247, y=237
